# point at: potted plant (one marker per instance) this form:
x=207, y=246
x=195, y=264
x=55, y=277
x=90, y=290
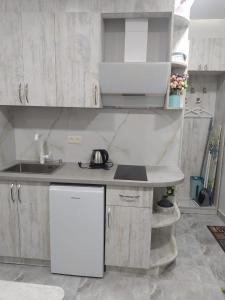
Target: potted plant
x=178, y=84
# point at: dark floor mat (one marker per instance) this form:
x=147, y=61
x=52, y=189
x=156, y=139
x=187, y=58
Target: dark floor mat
x=219, y=234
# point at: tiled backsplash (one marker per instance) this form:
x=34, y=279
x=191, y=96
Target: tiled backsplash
x=130, y=136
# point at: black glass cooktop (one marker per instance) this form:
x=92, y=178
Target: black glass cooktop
x=129, y=172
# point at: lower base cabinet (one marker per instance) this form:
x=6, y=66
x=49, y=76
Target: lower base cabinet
x=128, y=237
x=33, y=210
x=9, y=222
x=128, y=227
x=24, y=220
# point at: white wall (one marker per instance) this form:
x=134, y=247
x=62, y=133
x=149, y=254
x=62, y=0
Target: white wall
x=208, y=9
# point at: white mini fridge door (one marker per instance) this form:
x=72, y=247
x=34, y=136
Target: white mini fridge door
x=77, y=230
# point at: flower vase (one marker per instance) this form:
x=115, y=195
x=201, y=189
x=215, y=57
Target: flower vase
x=174, y=101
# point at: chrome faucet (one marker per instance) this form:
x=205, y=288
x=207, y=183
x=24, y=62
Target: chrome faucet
x=44, y=154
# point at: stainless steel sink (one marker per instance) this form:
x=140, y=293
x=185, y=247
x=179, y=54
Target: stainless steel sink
x=35, y=168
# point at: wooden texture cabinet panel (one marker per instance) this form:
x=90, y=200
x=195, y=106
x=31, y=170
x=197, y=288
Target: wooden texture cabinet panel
x=39, y=59
x=33, y=208
x=11, y=59
x=78, y=44
x=207, y=54
x=24, y=220
x=9, y=226
x=128, y=236
x=129, y=196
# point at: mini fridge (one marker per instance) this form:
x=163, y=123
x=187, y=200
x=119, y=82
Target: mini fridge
x=77, y=230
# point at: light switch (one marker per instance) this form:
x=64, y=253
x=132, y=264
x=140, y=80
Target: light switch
x=74, y=139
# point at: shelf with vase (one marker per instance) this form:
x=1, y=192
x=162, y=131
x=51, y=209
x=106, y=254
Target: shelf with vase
x=178, y=85
x=160, y=220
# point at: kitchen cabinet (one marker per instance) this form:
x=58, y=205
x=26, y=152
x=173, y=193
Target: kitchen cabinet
x=24, y=220
x=27, y=59
x=78, y=43
x=33, y=210
x=128, y=228
x=11, y=59
x=207, y=54
x=39, y=59
x=9, y=221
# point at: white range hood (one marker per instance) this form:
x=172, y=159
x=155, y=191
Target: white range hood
x=135, y=78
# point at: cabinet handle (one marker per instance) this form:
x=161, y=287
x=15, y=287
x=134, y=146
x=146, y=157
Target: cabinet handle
x=20, y=96
x=108, y=218
x=18, y=192
x=11, y=192
x=26, y=93
x=96, y=90
x=129, y=198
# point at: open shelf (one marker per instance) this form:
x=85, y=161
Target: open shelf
x=162, y=220
x=179, y=65
x=158, y=41
x=181, y=21
x=164, y=254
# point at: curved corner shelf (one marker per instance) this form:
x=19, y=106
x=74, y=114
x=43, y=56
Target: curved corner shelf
x=180, y=65
x=160, y=220
x=181, y=21
x=164, y=255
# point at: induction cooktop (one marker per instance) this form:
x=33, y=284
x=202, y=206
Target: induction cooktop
x=130, y=172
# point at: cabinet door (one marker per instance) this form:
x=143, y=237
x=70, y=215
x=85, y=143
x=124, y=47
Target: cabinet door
x=128, y=236
x=198, y=54
x=33, y=208
x=11, y=61
x=9, y=226
x=78, y=44
x=215, y=54
x=39, y=59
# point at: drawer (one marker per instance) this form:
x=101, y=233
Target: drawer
x=129, y=196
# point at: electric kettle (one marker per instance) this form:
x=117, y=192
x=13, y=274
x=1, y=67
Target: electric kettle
x=99, y=159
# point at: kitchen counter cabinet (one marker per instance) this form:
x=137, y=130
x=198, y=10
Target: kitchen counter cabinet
x=24, y=221
x=33, y=213
x=9, y=222
x=128, y=227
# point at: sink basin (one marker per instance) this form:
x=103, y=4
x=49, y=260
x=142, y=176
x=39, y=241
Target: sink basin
x=32, y=168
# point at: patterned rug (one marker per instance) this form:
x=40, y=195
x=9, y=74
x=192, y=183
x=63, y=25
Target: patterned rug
x=219, y=234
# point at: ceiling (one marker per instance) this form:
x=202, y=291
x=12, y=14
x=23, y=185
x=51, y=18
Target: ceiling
x=208, y=9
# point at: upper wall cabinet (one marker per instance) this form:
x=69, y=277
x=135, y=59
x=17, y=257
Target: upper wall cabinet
x=27, y=59
x=78, y=52
x=207, y=54
x=136, y=59
x=39, y=59
x=11, y=59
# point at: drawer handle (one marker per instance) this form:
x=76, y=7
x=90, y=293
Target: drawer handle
x=129, y=198
x=11, y=192
x=18, y=192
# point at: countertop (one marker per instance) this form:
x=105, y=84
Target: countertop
x=158, y=176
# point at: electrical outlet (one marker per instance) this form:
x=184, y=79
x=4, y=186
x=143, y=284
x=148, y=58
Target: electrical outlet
x=74, y=139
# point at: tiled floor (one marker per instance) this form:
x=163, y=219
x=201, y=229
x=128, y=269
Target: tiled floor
x=198, y=273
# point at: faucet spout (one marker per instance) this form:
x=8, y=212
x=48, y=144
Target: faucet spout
x=44, y=154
